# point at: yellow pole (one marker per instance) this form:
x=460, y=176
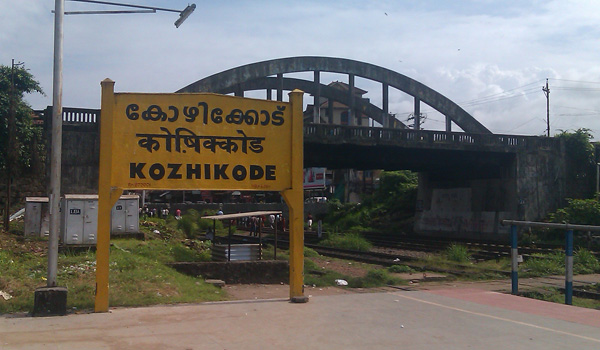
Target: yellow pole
x=294, y=198
x=107, y=196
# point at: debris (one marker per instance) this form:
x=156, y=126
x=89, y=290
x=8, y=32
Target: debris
x=341, y=282
x=156, y=232
x=396, y=260
x=216, y=283
x=401, y=326
x=5, y=295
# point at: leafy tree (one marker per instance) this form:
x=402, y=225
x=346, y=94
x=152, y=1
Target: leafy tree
x=580, y=162
x=25, y=132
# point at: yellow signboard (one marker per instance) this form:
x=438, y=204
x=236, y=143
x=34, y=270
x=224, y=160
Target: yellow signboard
x=207, y=141
x=199, y=141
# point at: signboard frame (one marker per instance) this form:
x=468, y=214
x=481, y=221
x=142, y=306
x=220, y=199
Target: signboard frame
x=257, y=153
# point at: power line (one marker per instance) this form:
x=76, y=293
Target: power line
x=576, y=81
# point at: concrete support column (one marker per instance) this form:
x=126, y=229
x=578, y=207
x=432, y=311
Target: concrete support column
x=238, y=91
x=351, y=116
x=385, y=104
x=280, y=87
x=514, y=253
x=569, y=268
x=417, y=114
x=330, y=111
x=448, y=124
x=317, y=98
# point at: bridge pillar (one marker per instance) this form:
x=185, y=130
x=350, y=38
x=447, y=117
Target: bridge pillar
x=317, y=98
x=417, y=114
x=280, y=87
x=351, y=116
x=448, y=124
x=239, y=91
x=329, y=111
x=385, y=105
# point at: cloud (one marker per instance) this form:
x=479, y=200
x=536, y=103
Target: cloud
x=481, y=53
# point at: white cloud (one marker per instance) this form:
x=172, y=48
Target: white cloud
x=465, y=50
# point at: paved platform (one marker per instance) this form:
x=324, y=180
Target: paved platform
x=437, y=319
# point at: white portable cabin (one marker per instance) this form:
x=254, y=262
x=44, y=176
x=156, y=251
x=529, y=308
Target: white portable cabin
x=37, y=219
x=79, y=219
x=125, y=215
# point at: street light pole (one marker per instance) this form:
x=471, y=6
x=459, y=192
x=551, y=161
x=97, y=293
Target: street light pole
x=56, y=147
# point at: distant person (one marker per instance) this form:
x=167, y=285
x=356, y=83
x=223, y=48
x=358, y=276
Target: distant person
x=220, y=212
x=310, y=220
x=178, y=214
x=272, y=220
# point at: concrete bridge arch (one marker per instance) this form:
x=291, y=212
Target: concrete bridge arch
x=253, y=76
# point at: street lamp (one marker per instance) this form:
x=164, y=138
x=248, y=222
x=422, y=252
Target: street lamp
x=56, y=144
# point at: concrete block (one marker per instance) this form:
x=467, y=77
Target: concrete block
x=50, y=301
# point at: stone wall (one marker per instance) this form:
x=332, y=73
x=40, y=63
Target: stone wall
x=264, y=271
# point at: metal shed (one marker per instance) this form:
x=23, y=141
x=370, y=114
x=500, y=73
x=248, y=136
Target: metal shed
x=230, y=251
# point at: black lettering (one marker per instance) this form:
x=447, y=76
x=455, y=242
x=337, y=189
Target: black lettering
x=132, y=107
x=277, y=116
x=239, y=172
x=267, y=117
x=174, y=171
x=154, y=113
x=204, y=111
x=190, y=113
x=270, y=172
x=157, y=171
x=193, y=170
x=216, y=116
x=256, y=172
x=175, y=114
x=135, y=170
x=220, y=171
x=207, y=171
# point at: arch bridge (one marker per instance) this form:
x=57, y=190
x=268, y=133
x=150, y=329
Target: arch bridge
x=269, y=76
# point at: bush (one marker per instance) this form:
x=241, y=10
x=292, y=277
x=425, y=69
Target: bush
x=584, y=262
x=400, y=269
x=351, y=241
x=544, y=264
x=374, y=278
x=310, y=253
x=458, y=253
x=188, y=225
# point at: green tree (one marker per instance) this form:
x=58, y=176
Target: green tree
x=580, y=162
x=25, y=132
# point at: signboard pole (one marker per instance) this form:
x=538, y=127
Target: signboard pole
x=294, y=198
x=107, y=196
x=209, y=141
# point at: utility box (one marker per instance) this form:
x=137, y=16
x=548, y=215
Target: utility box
x=37, y=217
x=125, y=215
x=79, y=219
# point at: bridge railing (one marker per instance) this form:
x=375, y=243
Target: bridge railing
x=395, y=136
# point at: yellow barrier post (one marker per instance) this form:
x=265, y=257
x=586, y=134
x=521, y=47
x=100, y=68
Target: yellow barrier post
x=107, y=196
x=294, y=198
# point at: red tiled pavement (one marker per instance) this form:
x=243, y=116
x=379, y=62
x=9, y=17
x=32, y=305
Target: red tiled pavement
x=563, y=312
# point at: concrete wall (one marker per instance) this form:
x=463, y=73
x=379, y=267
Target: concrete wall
x=471, y=204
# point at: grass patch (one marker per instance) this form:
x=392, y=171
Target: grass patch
x=556, y=296
x=138, y=274
x=351, y=241
x=400, y=269
x=375, y=278
x=458, y=253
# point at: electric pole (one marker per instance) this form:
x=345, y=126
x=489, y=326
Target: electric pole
x=546, y=91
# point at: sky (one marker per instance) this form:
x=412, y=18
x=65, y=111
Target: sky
x=492, y=57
